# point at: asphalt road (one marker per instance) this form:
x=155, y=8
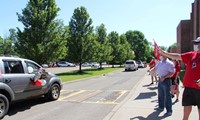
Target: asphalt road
x=89, y=99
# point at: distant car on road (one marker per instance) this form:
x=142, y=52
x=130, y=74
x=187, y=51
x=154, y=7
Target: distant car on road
x=140, y=64
x=131, y=65
x=145, y=63
x=65, y=64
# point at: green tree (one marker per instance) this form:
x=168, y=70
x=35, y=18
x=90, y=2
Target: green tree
x=13, y=35
x=128, y=54
x=7, y=48
x=14, y=39
x=104, y=49
x=114, y=41
x=163, y=48
x=172, y=46
x=81, y=42
x=43, y=37
x=138, y=44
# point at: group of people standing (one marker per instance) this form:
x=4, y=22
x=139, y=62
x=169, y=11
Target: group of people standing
x=174, y=79
x=168, y=79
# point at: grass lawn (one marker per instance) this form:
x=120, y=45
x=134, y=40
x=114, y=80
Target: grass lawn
x=75, y=75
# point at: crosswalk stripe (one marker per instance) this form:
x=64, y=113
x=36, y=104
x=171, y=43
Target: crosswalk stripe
x=82, y=98
x=88, y=96
x=72, y=94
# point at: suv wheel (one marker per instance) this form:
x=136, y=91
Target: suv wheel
x=54, y=92
x=4, y=105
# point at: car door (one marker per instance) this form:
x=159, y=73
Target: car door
x=18, y=80
x=15, y=77
x=32, y=89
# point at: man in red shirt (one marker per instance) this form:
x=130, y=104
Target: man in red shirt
x=153, y=73
x=191, y=80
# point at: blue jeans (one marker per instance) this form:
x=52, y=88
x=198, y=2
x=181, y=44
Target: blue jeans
x=164, y=96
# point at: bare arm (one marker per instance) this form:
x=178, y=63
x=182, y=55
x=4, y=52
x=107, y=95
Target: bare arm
x=167, y=76
x=152, y=69
x=175, y=56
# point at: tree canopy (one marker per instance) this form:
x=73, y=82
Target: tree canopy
x=42, y=39
x=81, y=42
x=138, y=44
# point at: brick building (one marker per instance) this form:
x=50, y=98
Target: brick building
x=188, y=30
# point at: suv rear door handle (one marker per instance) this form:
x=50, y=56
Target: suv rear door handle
x=7, y=81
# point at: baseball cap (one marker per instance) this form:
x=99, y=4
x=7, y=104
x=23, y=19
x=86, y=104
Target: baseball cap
x=197, y=40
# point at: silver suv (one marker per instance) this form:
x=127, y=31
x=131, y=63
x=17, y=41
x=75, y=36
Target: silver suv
x=22, y=79
x=131, y=65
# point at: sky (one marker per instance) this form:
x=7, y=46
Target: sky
x=156, y=19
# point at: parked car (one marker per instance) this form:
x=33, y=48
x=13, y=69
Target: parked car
x=145, y=64
x=95, y=64
x=131, y=65
x=21, y=79
x=65, y=64
x=86, y=64
x=45, y=66
x=140, y=64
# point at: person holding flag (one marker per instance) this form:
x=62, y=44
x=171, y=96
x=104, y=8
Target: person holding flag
x=165, y=69
x=153, y=63
x=191, y=80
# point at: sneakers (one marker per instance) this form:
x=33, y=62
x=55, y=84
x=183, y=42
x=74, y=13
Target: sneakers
x=168, y=114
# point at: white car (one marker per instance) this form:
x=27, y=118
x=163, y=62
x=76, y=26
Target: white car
x=65, y=64
x=95, y=64
x=45, y=66
x=85, y=64
x=140, y=64
x=131, y=65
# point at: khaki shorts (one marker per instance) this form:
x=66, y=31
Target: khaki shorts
x=153, y=73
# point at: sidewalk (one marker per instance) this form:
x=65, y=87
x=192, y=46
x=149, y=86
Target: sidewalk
x=141, y=102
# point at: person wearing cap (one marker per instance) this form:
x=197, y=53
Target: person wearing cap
x=191, y=80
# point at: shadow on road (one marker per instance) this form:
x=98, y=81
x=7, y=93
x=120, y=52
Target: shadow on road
x=25, y=105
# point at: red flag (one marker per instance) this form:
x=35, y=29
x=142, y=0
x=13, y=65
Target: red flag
x=156, y=51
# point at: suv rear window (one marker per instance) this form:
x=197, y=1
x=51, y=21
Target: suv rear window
x=129, y=62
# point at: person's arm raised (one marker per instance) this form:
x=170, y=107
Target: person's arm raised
x=175, y=56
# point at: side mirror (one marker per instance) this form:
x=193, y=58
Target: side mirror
x=30, y=70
